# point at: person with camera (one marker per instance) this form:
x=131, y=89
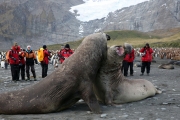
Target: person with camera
x=22, y=64
x=65, y=53
x=45, y=62
x=14, y=61
x=146, y=59
x=128, y=62
x=30, y=59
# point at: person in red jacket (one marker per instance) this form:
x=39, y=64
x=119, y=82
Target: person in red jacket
x=146, y=59
x=65, y=53
x=14, y=61
x=22, y=64
x=45, y=62
x=128, y=62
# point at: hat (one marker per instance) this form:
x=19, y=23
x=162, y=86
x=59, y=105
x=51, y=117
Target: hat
x=28, y=46
x=44, y=46
x=15, y=44
x=147, y=44
x=67, y=46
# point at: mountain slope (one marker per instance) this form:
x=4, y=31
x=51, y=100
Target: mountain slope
x=37, y=21
x=136, y=39
x=145, y=17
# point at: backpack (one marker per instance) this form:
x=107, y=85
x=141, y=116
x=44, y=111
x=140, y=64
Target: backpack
x=40, y=54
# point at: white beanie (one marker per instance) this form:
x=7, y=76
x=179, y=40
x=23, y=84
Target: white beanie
x=28, y=46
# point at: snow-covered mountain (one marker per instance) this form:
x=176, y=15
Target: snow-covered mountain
x=97, y=9
x=38, y=22
x=146, y=16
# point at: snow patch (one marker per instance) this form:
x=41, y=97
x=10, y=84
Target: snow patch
x=97, y=9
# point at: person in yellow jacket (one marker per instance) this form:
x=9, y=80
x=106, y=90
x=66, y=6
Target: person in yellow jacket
x=30, y=59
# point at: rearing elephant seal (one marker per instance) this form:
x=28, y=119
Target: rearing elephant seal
x=65, y=86
x=112, y=87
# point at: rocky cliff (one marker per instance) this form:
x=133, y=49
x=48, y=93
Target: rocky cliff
x=38, y=22
x=146, y=16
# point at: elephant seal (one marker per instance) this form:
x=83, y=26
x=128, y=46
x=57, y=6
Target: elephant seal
x=171, y=61
x=113, y=88
x=177, y=63
x=166, y=66
x=63, y=87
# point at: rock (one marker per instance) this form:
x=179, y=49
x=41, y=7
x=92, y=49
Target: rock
x=103, y=115
x=141, y=118
x=163, y=109
x=113, y=118
x=164, y=103
x=89, y=112
x=124, y=116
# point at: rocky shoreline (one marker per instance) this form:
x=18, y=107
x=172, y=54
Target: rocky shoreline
x=163, y=106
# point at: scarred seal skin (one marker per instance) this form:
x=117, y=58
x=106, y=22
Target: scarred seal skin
x=65, y=86
x=113, y=88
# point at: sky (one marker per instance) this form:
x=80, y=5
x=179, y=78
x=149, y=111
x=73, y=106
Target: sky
x=97, y=9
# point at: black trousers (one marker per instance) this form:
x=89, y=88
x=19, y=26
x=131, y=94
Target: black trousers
x=130, y=65
x=126, y=66
x=145, y=65
x=15, y=71
x=22, y=71
x=32, y=70
x=44, y=69
x=6, y=65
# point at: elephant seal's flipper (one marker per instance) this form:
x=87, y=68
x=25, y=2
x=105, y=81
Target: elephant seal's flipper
x=89, y=97
x=87, y=94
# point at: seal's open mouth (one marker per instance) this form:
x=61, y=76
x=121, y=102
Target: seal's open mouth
x=120, y=50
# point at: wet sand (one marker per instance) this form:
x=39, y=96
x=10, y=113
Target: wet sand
x=165, y=106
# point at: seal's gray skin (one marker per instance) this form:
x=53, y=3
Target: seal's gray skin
x=65, y=86
x=112, y=87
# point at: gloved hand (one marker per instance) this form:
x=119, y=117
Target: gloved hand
x=35, y=60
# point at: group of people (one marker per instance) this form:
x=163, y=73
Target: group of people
x=23, y=60
x=146, y=59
